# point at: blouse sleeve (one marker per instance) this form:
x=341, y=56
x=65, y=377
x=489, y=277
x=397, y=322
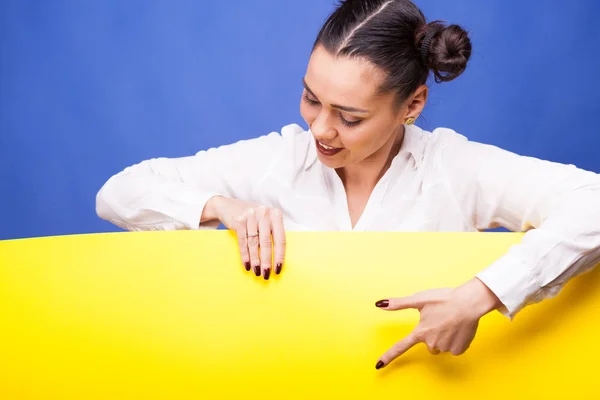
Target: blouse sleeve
x=557, y=205
x=170, y=193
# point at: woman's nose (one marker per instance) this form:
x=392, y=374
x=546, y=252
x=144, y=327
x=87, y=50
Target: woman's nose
x=322, y=129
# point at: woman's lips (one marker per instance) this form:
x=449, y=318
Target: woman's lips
x=327, y=150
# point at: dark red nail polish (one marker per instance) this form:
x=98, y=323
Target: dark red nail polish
x=379, y=365
x=382, y=303
x=267, y=274
x=247, y=266
x=278, y=269
x=257, y=270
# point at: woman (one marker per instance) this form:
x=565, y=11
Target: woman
x=363, y=165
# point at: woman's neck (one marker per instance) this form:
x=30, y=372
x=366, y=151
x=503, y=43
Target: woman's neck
x=366, y=174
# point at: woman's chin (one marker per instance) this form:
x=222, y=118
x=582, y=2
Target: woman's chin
x=331, y=162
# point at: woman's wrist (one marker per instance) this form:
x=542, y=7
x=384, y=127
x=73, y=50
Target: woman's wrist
x=476, y=297
x=211, y=209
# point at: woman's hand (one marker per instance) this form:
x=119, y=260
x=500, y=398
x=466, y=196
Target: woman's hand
x=448, y=318
x=259, y=229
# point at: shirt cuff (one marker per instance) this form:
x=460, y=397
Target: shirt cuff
x=512, y=282
x=192, y=203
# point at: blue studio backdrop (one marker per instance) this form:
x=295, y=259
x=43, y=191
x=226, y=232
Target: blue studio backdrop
x=90, y=87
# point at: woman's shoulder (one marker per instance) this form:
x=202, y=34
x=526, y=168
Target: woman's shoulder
x=295, y=140
x=445, y=149
x=293, y=131
x=440, y=137
x=289, y=147
x=425, y=145
x=290, y=132
x=298, y=147
x=287, y=138
x=446, y=140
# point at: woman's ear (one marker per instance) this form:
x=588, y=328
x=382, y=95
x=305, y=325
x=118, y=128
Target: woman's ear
x=416, y=104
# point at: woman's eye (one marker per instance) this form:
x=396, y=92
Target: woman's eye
x=310, y=101
x=346, y=122
x=349, y=123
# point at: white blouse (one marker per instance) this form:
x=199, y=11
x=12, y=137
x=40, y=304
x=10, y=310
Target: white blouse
x=439, y=181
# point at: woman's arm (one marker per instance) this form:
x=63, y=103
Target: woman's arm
x=166, y=194
x=557, y=205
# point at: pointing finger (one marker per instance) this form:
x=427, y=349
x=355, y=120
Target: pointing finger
x=397, y=350
x=417, y=300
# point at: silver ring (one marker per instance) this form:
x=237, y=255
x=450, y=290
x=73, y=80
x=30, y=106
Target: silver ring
x=253, y=235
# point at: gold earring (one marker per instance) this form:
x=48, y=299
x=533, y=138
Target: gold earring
x=410, y=121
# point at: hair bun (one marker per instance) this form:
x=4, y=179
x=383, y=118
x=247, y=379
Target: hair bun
x=449, y=51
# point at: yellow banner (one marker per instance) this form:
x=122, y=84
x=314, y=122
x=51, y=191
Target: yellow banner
x=174, y=315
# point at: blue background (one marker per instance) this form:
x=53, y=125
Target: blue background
x=90, y=87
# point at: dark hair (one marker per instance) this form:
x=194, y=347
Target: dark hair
x=394, y=35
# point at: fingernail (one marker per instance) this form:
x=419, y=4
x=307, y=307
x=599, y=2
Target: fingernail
x=267, y=273
x=257, y=270
x=379, y=365
x=382, y=303
x=247, y=265
x=278, y=269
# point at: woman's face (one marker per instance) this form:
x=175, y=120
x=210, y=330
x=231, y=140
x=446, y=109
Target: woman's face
x=350, y=120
